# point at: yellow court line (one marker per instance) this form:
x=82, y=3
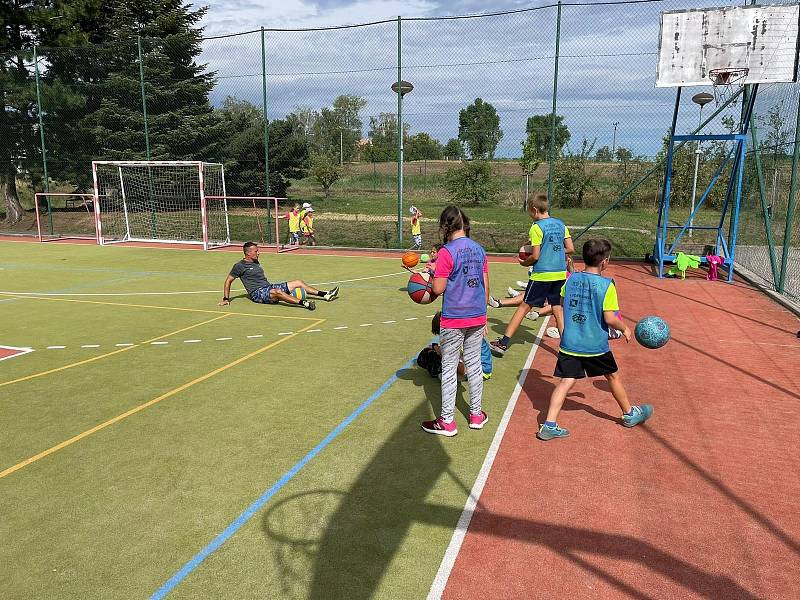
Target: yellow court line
x=197, y=310
x=141, y=407
x=89, y=360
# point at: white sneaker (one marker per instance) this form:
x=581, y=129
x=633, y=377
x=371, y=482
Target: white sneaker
x=512, y=293
x=494, y=302
x=613, y=334
x=522, y=285
x=533, y=315
x=553, y=333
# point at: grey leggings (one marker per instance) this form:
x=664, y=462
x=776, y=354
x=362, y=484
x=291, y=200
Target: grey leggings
x=452, y=340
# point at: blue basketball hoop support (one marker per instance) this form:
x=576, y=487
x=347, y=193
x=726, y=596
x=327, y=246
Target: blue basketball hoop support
x=664, y=251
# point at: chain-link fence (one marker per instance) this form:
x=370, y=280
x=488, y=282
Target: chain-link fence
x=310, y=114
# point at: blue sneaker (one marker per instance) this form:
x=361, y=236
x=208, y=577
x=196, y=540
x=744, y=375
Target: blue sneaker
x=549, y=433
x=639, y=414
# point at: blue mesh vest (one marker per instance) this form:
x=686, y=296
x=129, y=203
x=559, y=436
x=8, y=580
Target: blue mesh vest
x=585, y=330
x=551, y=258
x=465, y=296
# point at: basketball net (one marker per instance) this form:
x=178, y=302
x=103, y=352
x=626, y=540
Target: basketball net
x=724, y=81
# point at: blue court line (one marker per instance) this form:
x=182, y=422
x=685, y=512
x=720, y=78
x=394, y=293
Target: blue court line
x=251, y=510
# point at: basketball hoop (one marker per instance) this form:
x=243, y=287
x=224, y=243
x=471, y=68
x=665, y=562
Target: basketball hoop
x=724, y=79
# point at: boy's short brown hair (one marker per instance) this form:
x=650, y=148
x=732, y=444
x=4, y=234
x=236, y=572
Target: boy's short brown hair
x=596, y=251
x=539, y=202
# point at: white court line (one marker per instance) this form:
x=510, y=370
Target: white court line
x=255, y=336
x=342, y=327
x=312, y=330
x=759, y=343
x=90, y=346
x=411, y=318
x=222, y=339
x=365, y=325
x=192, y=341
x=450, y=555
x=387, y=322
x=158, y=343
x=286, y=333
x=19, y=351
x=56, y=347
x=124, y=345
x=217, y=291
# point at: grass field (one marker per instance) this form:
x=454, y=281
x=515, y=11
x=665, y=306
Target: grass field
x=147, y=419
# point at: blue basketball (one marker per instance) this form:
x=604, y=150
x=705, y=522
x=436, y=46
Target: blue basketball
x=652, y=332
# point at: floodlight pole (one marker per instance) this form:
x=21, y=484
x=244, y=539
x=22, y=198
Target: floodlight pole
x=144, y=97
x=399, y=134
x=266, y=127
x=614, y=141
x=553, y=123
x=694, y=178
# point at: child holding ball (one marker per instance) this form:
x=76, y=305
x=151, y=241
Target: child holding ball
x=462, y=277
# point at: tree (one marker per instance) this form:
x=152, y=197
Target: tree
x=472, y=182
x=334, y=130
x=453, y=150
x=23, y=24
x=423, y=147
x=243, y=154
x=624, y=155
x=326, y=170
x=776, y=142
x=604, y=155
x=383, y=137
x=479, y=129
x=536, y=147
x=574, y=177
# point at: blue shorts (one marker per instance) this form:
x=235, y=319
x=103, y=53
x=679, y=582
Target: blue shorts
x=538, y=291
x=261, y=295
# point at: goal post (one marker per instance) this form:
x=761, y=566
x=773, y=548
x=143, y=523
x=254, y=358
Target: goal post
x=63, y=216
x=160, y=201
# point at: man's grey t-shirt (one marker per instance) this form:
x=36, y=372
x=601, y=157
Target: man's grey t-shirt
x=251, y=274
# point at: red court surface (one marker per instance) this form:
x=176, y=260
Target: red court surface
x=700, y=502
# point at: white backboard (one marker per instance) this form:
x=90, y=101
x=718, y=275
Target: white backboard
x=762, y=39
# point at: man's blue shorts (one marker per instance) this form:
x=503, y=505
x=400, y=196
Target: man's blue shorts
x=261, y=295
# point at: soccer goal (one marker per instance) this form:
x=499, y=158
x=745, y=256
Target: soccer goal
x=64, y=216
x=160, y=201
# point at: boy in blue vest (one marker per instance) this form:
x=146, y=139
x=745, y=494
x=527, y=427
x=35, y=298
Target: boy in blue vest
x=590, y=308
x=552, y=247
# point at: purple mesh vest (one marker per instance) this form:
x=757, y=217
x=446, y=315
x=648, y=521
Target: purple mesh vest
x=466, y=295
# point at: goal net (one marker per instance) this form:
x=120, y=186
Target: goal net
x=160, y=201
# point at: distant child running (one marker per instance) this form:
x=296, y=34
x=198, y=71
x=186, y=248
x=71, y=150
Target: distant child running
x=590, y=309
x=262, y=291
x=463, y=272
x=551, y=244
x=416, y=227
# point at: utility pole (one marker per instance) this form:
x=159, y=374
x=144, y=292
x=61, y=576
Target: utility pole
x=614, y=141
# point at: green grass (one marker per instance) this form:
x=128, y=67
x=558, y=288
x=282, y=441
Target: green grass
x=118, y=512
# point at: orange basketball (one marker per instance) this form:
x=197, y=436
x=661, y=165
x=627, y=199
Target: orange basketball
x=410, y=259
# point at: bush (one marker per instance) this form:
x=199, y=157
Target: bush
x=472, y=182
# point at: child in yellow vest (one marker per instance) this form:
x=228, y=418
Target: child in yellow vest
x=307, y=226
x=293, y=218
x=416, y=227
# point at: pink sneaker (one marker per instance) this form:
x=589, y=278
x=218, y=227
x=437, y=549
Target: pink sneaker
x=478, y=421
x=439, y=427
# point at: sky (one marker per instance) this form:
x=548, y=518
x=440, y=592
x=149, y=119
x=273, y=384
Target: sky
x=607, y=66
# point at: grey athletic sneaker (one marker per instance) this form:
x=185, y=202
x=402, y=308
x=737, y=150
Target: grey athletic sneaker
x=552, y=332
x=532, y=315
x=512, y=293
x=331, y=295
x=494, y=302
x=523, y=285
x=308, y=304
x=550, y=433
x=638, y=415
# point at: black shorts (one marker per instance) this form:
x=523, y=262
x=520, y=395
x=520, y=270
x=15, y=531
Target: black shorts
x=538, y=291
x=578, y=367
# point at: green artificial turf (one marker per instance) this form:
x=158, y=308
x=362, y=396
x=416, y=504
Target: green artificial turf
x=119, y=511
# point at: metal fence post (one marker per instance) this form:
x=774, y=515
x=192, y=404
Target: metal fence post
x=399, y=134
x=791, y=207
x=144, y=97
x=266, y=127
x=551, y=169
x=764, y=209
x=41, y=138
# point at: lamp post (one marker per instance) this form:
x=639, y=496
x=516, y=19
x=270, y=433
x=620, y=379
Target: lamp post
x=701, y=100
x=401, y=88
x=614, y=141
